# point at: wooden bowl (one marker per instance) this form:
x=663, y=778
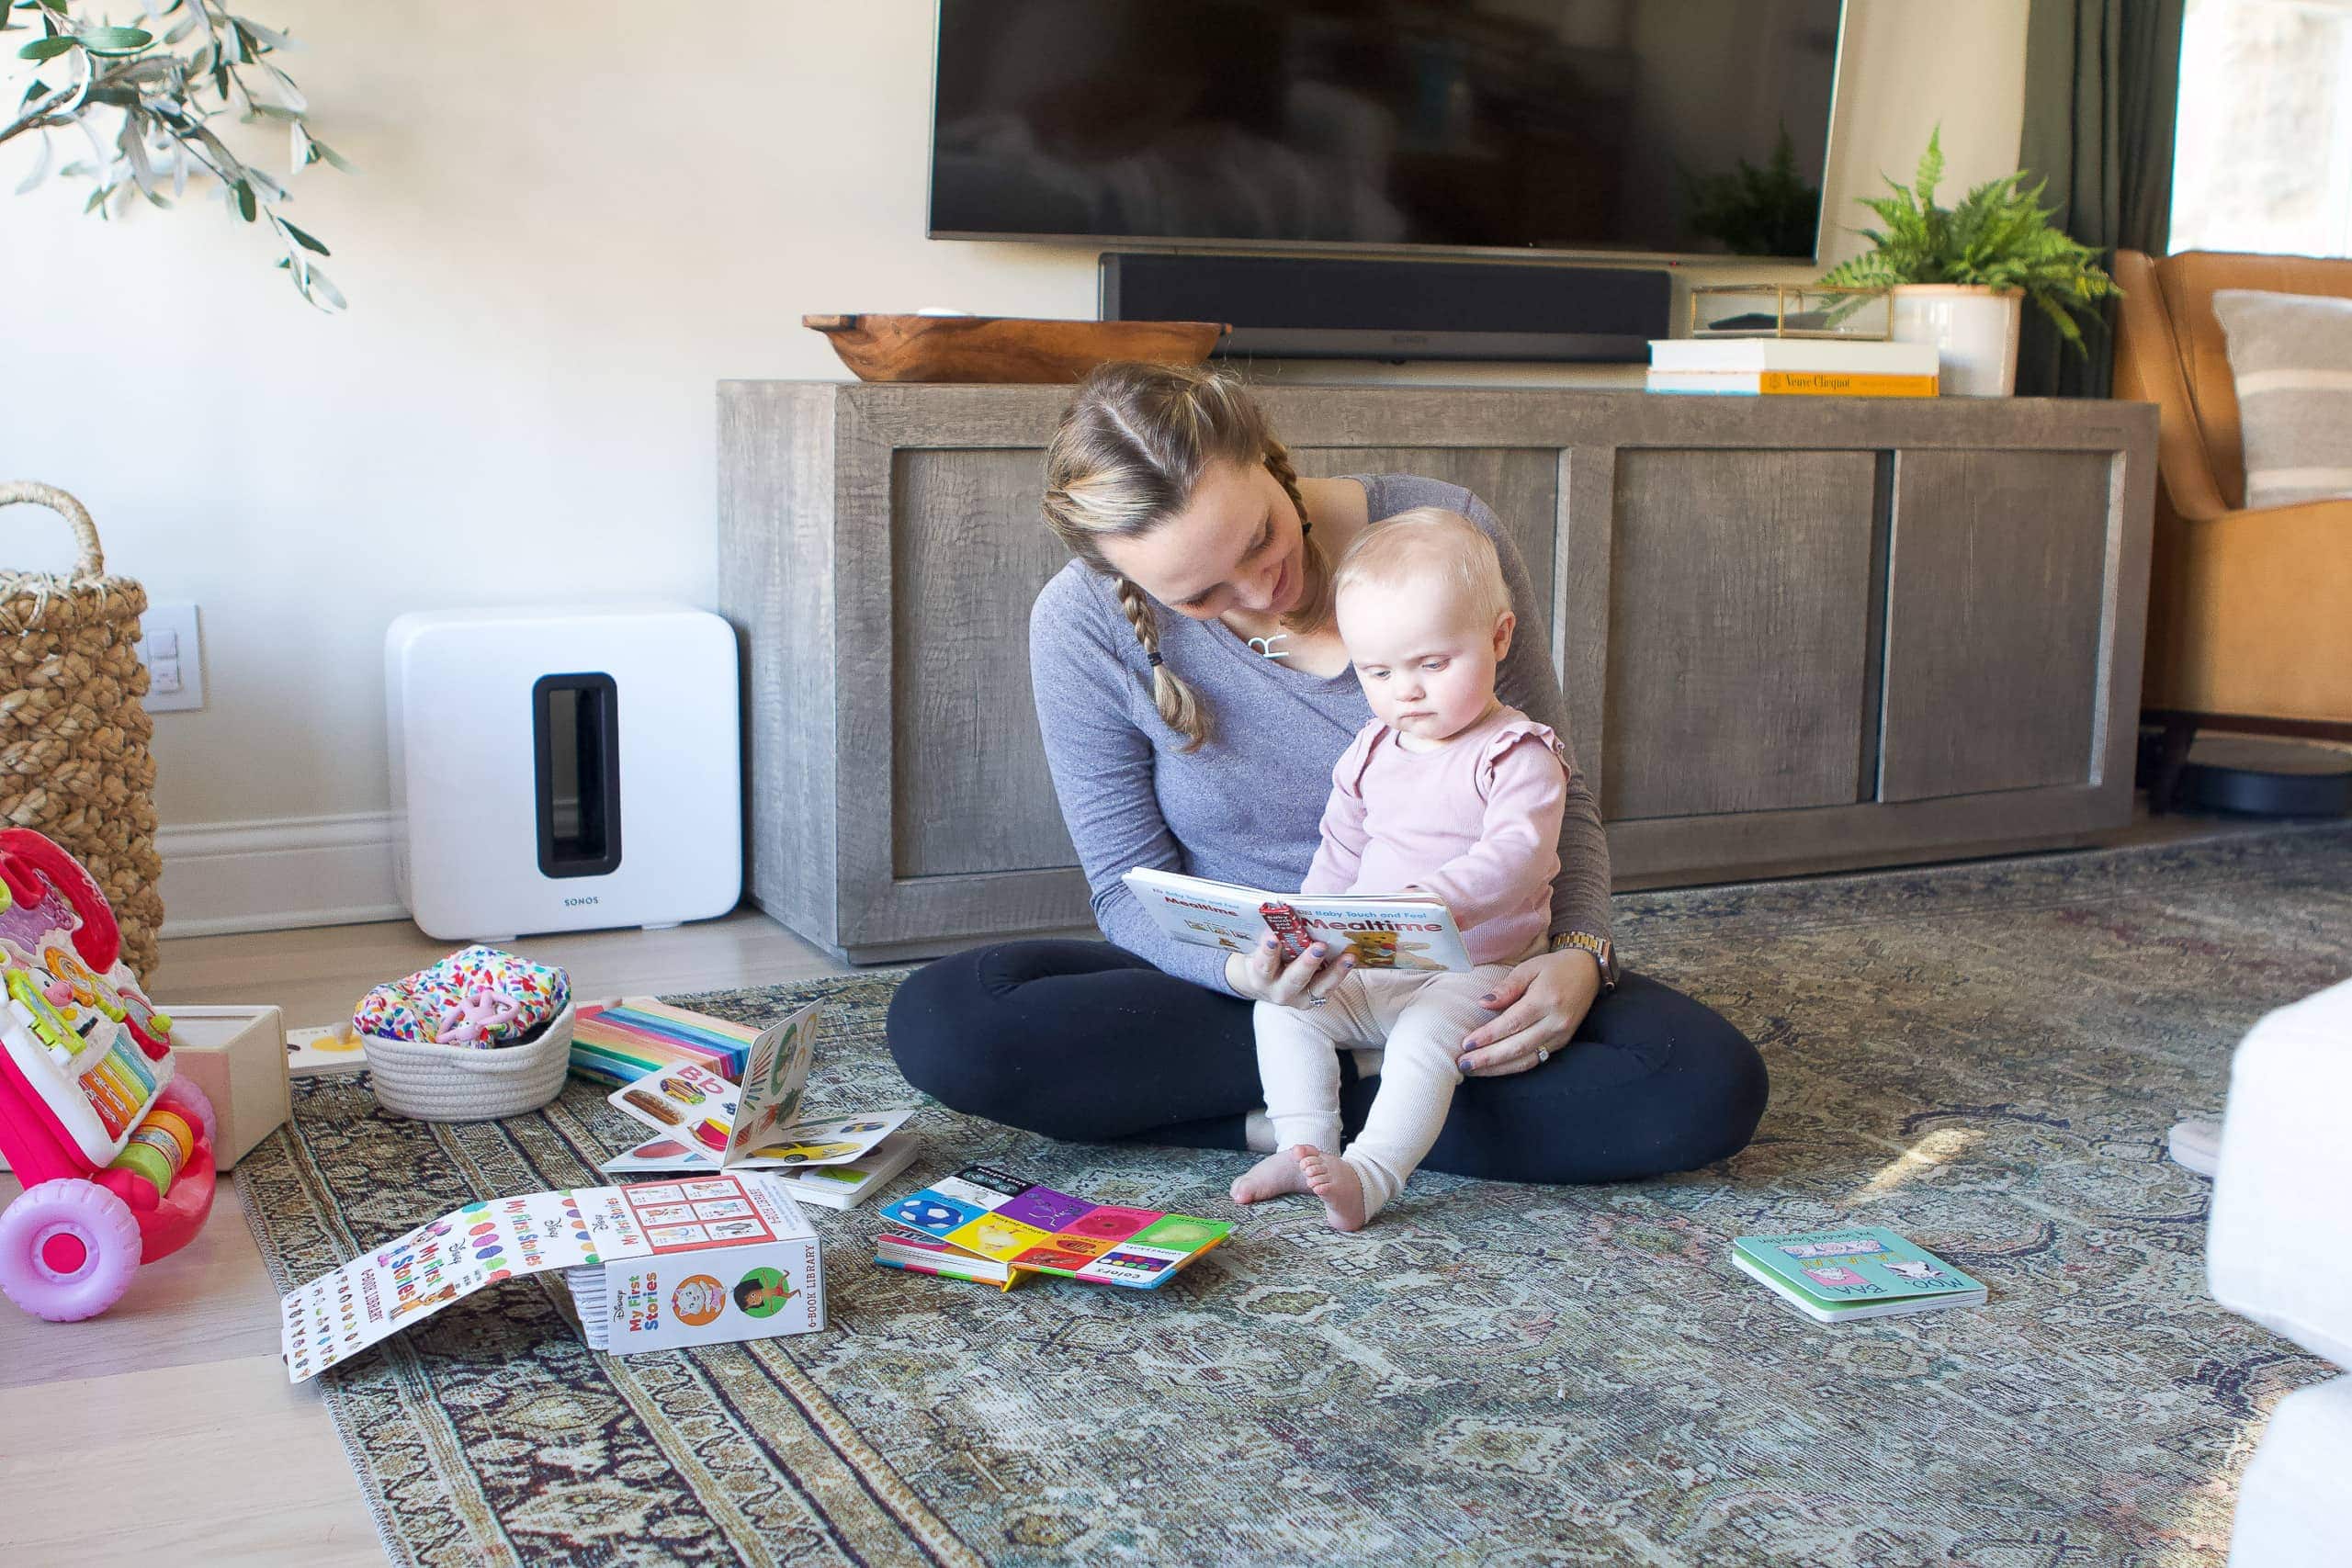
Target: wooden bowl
x=1005, y=348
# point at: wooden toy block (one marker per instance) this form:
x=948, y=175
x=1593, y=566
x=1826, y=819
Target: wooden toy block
x=237, y=1057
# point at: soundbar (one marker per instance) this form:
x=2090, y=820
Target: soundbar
x=1325, y=308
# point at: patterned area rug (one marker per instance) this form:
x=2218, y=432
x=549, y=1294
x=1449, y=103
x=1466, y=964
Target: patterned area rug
x=1985, y=1057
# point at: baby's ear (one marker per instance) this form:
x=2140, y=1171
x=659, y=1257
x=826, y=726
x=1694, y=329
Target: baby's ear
x=1505, y=624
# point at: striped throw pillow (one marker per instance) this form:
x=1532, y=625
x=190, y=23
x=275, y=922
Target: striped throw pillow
x=2292, y=356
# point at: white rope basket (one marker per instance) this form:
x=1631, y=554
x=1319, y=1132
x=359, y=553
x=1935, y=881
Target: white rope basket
x=462, y=1083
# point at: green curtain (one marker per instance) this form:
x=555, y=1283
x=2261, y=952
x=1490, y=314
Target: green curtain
x=2102, y=89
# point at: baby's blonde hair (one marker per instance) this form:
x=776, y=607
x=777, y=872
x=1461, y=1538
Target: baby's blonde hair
x=1427, y=544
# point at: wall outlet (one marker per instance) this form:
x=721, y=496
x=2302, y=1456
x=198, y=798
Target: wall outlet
x=170, y=647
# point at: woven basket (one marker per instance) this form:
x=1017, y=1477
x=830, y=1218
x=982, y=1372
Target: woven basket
x=463, y=1083
x=74, y=759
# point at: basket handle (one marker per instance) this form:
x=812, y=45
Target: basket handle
x=86, y=532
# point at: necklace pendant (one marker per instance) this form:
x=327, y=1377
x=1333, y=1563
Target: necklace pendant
x=1264, y=647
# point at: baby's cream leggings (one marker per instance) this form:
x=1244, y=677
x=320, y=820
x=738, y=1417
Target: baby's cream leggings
x=1420, y=1019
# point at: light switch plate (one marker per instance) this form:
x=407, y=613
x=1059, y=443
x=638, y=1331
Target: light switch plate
x=169, y=646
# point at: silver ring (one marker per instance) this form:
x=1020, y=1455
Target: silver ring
x=1316, y=1001
x=1541, y=1055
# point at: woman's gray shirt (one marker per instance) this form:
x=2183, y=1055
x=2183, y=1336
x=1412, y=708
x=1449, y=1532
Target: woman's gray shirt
x=1248, y=805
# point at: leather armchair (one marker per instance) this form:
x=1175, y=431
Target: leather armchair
x=2250, y=610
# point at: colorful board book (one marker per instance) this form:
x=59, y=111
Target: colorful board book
x=707, y=1124
x=674, y=1263
x=983, y=1216
x=1845, y=1275
x=1382, y=932
x=621, y=1042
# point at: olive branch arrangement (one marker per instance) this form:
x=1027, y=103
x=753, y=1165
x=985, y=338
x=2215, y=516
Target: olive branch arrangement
x=144, y=97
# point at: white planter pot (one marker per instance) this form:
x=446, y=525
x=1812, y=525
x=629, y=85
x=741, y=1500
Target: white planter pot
x=1973, y=329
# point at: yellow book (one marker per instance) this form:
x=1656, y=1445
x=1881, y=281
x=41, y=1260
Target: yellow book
x=1792, y=383
x=1840, y=384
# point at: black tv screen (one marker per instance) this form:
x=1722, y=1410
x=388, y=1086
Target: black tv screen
x=1674, y=127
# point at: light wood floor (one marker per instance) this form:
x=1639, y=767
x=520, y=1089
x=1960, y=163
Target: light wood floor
x=180, y=1383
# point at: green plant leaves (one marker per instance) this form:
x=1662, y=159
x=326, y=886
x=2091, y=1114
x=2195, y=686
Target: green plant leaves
x=1998, y=237
x=142, y=95
x=115, y=40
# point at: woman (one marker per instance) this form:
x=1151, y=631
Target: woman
x=1193, y=696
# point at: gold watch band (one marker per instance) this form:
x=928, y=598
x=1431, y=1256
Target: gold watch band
x=1603, y=951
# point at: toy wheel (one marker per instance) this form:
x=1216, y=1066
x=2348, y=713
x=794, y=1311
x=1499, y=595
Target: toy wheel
x=184, y=1097
x=67, y=1250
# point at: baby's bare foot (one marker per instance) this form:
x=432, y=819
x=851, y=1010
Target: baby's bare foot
x=1271, y=1178
x=1335, y=1181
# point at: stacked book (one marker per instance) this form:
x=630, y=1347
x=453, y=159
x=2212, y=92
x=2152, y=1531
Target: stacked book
x=1771, y=366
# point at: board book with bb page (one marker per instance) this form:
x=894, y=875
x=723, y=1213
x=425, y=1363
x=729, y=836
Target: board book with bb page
x=1396, y=931
x=1840, y=1276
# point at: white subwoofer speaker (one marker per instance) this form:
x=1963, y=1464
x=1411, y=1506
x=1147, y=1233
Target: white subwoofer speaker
x=564, y=769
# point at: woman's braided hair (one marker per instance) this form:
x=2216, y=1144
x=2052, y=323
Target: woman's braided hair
x=1126, y=457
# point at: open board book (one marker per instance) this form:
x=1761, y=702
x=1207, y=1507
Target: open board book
x=988, y=1224
x=651, y=1266
x=1398, y=932
x=707, y=1124
x=1841, y=1276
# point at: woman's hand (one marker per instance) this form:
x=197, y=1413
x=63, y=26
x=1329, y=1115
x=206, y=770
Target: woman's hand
x=1540, y=1003
x=1303, y=982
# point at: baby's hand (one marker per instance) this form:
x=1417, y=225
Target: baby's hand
x=1303, y=982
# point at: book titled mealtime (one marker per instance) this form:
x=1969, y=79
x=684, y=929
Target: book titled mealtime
x=1401, y=931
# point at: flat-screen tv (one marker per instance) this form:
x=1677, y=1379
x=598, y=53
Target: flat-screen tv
x=1620, y=127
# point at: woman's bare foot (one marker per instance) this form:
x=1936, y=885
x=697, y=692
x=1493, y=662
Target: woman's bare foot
x=1335, y=1181
x=1271, y=1178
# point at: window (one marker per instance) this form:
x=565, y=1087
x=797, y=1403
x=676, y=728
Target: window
x=2262, y=159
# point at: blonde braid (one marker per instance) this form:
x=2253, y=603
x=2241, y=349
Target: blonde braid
x=1314, y=611
x=1126, y=456
x=1178, y=708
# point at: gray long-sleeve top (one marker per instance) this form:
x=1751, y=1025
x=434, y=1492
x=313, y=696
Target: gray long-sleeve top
x=1247, y=807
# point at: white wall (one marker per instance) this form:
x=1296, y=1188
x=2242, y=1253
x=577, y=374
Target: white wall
x=567, y=224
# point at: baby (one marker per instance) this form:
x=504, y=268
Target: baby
x=1446, y=792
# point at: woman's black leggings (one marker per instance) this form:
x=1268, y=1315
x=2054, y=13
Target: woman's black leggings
x=1084, y=1040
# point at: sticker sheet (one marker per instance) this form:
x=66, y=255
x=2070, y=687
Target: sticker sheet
x=995, y=1213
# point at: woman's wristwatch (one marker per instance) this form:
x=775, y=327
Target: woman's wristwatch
x=1603, y=951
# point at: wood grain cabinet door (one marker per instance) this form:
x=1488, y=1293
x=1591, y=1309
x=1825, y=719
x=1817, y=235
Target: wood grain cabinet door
x=970, y=789
x=1997, y=594
x=1521, y=486
x=1740, y=631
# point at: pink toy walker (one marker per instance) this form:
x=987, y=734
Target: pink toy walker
x=115, y=1153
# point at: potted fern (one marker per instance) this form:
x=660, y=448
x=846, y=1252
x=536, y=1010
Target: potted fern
x=1962, y=276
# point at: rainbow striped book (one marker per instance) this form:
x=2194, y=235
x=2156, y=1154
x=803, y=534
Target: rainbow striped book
x=621, y=1042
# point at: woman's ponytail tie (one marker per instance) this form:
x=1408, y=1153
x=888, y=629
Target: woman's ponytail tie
x=1152, y=659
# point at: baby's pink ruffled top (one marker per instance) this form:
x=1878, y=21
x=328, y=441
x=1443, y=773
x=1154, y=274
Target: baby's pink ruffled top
x=1474, y=823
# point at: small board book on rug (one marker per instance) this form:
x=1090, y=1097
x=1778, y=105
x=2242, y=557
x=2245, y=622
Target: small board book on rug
x=707, y=1124
x=652, y=1265
x=1402, y=932
x=330, y=1048
x=621, y=1042
x=1841, y=1276
x=992, y=1226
